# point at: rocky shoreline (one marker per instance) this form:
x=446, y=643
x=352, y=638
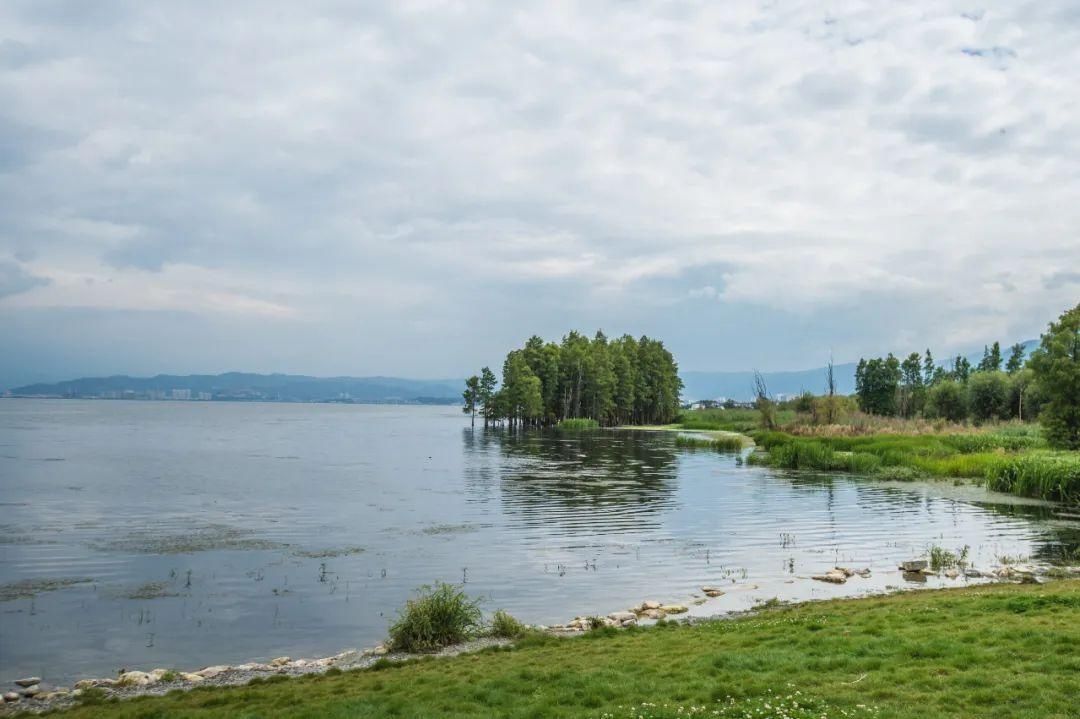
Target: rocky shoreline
x=36, y=695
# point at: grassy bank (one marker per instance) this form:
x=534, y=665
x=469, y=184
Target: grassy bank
x=1008, y=461
x=991, y=651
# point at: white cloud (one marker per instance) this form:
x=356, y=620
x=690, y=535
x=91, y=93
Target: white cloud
x=274, y=160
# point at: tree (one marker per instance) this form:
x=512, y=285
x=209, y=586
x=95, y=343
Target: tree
x=1056, y=364
x=946, y=400
x=912, y=392
x=961, y=370
x=487, y=395
x=1019, y=383
x=929, y=370
x=1016, y=359
x=988, y=395
x=991, y=359
x=471, y=395
x=828, y=404
x=763, y=402
x=877, y=384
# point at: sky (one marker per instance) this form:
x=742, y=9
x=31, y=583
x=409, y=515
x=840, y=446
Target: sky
x=412, y=188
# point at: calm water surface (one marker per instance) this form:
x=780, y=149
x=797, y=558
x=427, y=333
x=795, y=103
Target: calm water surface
x=146, y=534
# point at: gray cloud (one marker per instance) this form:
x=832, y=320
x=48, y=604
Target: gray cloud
x=14, y=279
x=425, y=173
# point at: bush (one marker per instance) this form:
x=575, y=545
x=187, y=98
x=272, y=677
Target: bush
x=506, y=626
x=988, y=395
x=946, y=400
x=439, y=616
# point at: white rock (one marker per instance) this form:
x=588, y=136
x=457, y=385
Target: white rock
x=622, y=616
x=31, y=691
x=28, y=681
x=11, y=697
x=280, y=661
x=135, y=679
x=213, y=671
x=650, y=604
x=192, y=677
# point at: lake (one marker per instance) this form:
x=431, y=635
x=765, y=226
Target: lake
x=181, y=534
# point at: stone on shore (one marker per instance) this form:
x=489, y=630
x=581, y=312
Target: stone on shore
x=280, y=661
x=135, y=679
x=31, y=691
x=11, y=697
x=192, y=677
x=712, y=591
x=833, y=576
x=28, y=681
x=952, y=573
x=211, y=672
x=674, y=608
x=621, y=617
x=914, y=565
x=650, y=604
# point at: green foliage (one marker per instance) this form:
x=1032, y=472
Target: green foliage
x=624, y=381
x=947, y=400
x=877, y=382
x=1046, y=475
x=471, y=395
x=1056, y=364
x=439, y=616
x=1016, y=359
x=506, y=626
x=577, y=424
x=988, y=395
x=941, y=558
x=728, y=443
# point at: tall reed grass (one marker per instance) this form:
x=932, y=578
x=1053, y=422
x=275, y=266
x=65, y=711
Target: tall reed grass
x=577, y=424
x=1046, y=475
x=724, y=443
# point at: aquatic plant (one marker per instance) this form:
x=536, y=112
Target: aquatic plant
x=577, y=424
x=1048, y=475
x=440, y=616
x=722, y=443
x=941, y=558
x=505, y=625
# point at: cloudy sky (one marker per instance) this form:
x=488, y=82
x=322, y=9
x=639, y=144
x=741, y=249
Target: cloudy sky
x=409, y=188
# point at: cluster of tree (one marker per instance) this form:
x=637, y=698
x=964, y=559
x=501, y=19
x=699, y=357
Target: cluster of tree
x=622, y=381
x=1046, y=385
x=917, y=386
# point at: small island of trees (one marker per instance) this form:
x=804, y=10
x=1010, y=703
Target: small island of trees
x=621, y=381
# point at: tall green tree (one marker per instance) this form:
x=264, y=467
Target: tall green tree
x=486, y=396
x=929, y=368
x=947, y=400
x=1016, y=359
x=1056, y=365
x=991, y=359
x=877, y=384
x=471, y=395
x=912, y=389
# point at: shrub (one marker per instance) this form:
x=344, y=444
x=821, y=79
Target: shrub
x=506, y=626
x=439, y=616
x=988, y=395
x=946, y=400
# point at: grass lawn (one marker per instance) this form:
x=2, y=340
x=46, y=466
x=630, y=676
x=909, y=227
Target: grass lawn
x=992, y=651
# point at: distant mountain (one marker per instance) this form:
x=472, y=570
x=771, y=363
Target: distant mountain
x=739, y=385
x=242, y=386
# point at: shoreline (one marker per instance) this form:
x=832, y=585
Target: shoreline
x=41, y=697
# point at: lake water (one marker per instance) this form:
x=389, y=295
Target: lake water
x=146, y=534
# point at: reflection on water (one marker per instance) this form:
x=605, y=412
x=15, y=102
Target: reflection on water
x=180, y=534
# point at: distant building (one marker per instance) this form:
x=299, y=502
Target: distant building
x=205, y=396
x=181, y=394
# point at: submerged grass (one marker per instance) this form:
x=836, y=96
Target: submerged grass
x=991, y=651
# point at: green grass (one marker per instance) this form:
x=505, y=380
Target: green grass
x=728, y=420
x=577, y=425
x=439, y=616
x=1053, y=475
x=992, y=651
x=1009, y=461
x=720, y=443
x=505, y=626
